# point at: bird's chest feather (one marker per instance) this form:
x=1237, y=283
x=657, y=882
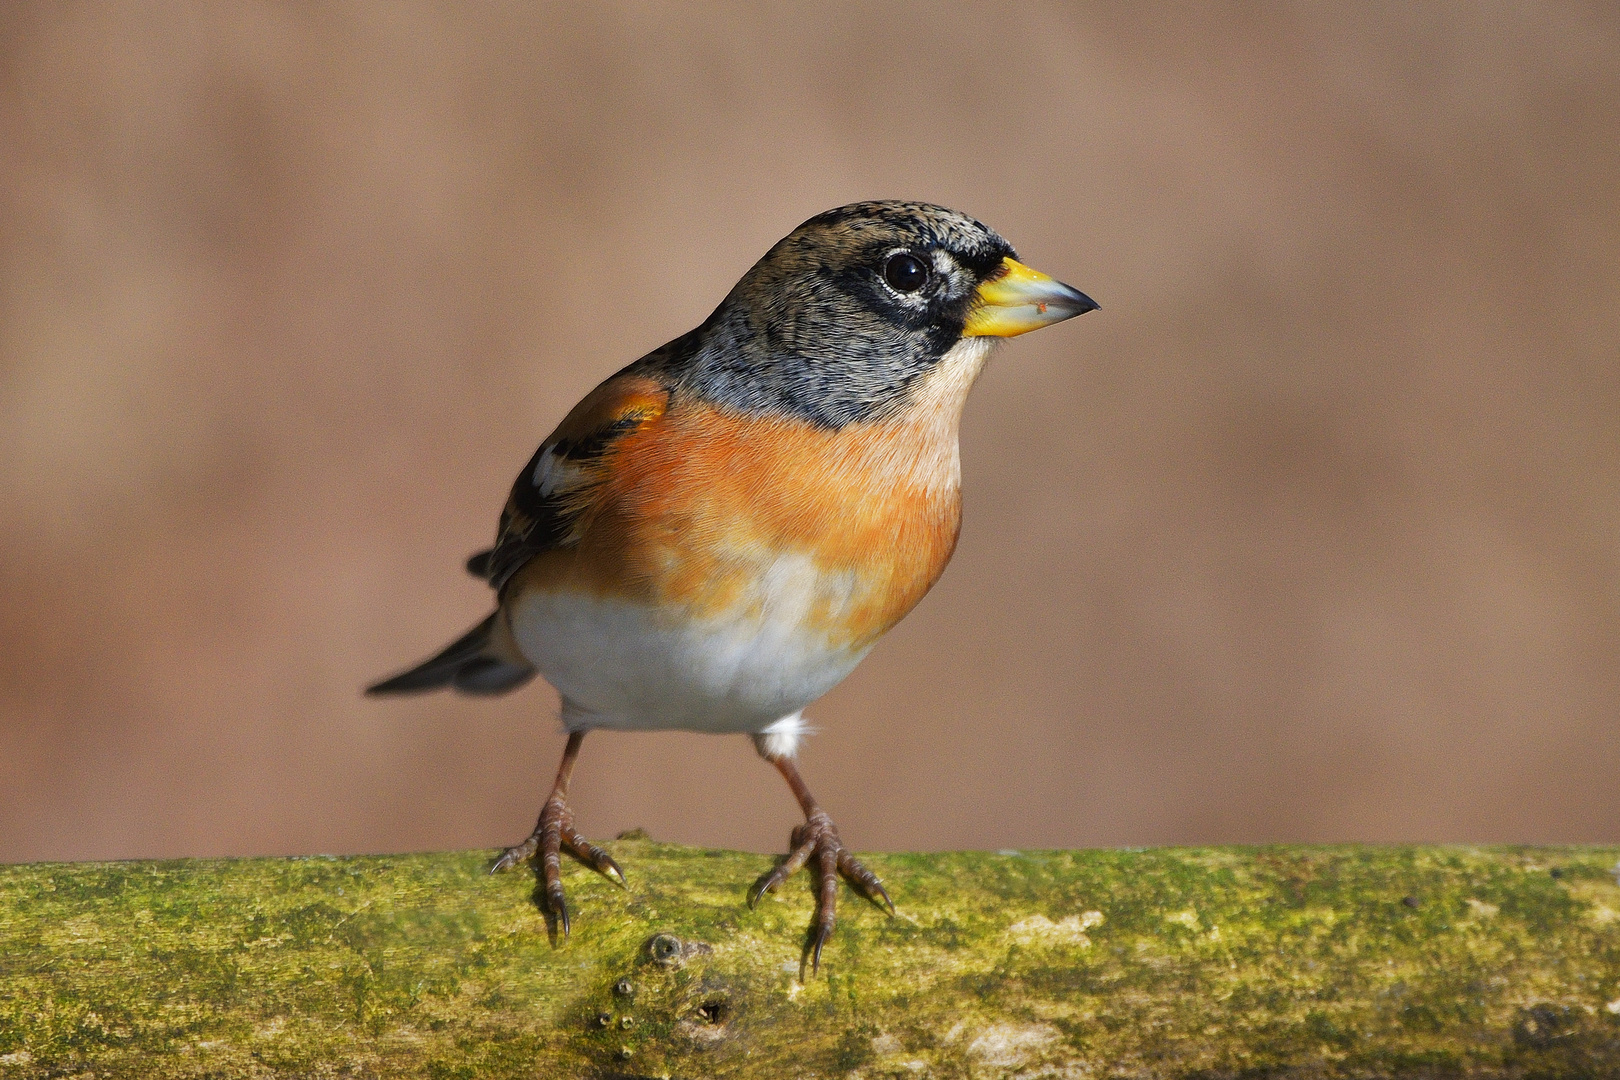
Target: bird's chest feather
x=773, y=521
x=711, y=514
x=752, y=557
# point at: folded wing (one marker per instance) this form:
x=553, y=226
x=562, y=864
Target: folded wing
x=554, y=492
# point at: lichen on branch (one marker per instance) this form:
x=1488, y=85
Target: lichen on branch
x=1318, y=962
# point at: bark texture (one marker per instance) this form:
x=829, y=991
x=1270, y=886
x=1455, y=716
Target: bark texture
x=1287, y=961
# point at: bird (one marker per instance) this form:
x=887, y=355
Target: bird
x=719, y=533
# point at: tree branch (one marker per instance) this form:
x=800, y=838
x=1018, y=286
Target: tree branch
x=1285, y=961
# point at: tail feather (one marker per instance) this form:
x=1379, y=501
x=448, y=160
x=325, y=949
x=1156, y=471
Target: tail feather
x=481, y=661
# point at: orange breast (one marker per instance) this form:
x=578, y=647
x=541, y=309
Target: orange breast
x=702, y=506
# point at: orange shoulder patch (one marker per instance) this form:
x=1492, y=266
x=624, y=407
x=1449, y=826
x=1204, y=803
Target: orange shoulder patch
x=616, y=406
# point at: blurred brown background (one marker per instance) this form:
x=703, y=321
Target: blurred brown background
x=1312, y=533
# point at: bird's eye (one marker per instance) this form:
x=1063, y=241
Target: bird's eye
x=905, y=273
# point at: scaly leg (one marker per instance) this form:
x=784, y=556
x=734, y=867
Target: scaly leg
x=555, y=831
x=818, y=838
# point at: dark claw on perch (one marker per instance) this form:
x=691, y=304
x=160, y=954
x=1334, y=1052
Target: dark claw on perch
x=818, y=839
x=552, y=834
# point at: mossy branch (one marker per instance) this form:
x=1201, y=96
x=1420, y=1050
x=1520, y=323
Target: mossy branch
x=1286, y=961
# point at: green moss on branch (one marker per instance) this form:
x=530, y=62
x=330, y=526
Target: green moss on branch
x=1330, y=962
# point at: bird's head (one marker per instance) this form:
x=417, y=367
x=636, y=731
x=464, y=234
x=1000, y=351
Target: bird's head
x=847, y=312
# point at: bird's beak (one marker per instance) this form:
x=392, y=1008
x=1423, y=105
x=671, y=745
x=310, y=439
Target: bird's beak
x=1017, y=300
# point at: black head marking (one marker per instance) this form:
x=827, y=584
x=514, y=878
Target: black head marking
x=841, y=316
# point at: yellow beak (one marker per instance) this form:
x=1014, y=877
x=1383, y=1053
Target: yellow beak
x=1018, y=300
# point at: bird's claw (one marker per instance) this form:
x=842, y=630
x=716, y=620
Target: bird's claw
x=592, y=856
x=818, y=839
x=513, y=855
x=553, y=833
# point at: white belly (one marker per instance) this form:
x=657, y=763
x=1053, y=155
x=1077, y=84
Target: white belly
x=621, y=665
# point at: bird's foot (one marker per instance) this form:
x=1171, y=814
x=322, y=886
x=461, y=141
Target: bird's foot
x=553, y=833
x=816, y=842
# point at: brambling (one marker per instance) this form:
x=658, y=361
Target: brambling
x=715, y=536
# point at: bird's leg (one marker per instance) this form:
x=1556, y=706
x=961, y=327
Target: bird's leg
x=554, y=832
x=816, y=842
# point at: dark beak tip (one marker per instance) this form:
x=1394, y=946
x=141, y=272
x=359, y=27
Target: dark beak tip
x=1082, y=303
